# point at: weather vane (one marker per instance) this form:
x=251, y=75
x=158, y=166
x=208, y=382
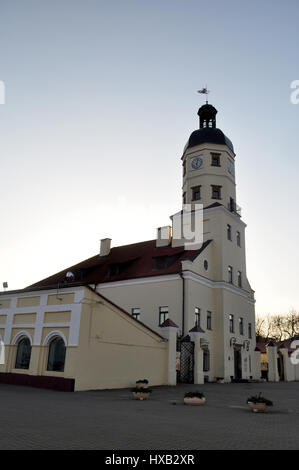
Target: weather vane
x=204, y=91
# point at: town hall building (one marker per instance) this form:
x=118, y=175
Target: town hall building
x=187, y=315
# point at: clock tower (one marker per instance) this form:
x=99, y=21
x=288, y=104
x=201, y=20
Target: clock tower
x=208, y=164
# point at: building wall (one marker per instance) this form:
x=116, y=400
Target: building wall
x=148, y=294
x=105, y=347
x=115, y=350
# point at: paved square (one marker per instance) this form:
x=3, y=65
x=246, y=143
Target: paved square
x=111, y=420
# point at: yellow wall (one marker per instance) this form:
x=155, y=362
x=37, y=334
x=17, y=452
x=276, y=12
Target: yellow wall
x=28, y=301
x=115, y=351
x=57, y=317
x=58, y=299
x=25, y=318
x=5, y=303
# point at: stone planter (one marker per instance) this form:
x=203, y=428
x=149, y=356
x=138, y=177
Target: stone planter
x=258, y=407
x=141, y=385
x=194, y=401
x=141, y=395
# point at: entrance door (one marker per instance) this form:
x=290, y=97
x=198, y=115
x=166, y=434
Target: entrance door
x=238, y=364
x=185, y=374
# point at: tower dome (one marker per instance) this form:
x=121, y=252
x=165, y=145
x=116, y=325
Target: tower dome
x=208, y=132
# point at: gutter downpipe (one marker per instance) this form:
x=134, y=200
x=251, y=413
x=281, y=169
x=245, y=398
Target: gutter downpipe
x=183, y=304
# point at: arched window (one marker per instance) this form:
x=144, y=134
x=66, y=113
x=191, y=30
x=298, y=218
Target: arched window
x=23, y=354
x=56, y=358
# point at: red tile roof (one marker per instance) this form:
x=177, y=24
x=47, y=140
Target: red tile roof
x=126, y=262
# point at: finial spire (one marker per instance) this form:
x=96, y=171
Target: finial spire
x=204, y=91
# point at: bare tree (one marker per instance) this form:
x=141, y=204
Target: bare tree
x=277, y=327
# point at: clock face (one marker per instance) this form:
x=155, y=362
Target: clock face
x=230, y=167
x=196, y=163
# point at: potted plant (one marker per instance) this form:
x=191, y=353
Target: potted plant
x=259, y=404
x=141, y=393
x=220, y=380
x=142, y=383
x=194, y=398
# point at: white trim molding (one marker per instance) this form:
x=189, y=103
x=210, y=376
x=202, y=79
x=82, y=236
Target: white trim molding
x=52, y=335
x=20, y=335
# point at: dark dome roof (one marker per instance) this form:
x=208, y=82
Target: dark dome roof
x=210, y=135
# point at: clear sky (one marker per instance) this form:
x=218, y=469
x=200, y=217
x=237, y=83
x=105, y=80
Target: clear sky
x=100, y=101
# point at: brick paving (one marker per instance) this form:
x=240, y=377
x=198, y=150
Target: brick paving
x=110, y=420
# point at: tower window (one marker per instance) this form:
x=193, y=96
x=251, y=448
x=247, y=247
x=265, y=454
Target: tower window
x=232, y=205
x=163, y=315
x=184, y=198
x=231, y=324
x=241, y=326
x=184, y=168
x=197, y=316
x=229, y=232
x=136, y=313
x=216, y=192
x=230, y=274
x=195, y=193
x=209, y=320
x=215, y=159
x=249, y=331
x=239, y=279
x=238, y=239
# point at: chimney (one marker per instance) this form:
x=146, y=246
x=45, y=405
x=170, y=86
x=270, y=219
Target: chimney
x=163, y=236
x=105, y=246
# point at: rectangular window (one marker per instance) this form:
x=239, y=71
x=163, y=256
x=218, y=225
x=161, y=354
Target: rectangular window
x=239, y=279
x=195, y=193
x=216, y=192
x=136, y=313
x=184, y=168
x=249, y=331
x=232, y=205
x=206, y=360
x=209, y=320
x=197, y=316
x=184, y=198
x=163, y=315
x=231, y=324
x=229, y=232
x=230, y=274
x=241, y=326
x=215, y=159
x=238, y=239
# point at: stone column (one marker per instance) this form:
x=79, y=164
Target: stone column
x=198, y=358
x=272, y=363
x=256, y=364
x=289, y=370
x=169, y=331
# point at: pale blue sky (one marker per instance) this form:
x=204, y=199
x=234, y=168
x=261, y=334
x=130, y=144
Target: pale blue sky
x=100, y=100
